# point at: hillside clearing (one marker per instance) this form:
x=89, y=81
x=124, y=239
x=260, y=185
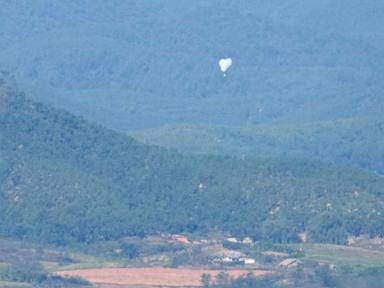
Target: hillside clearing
x=343, y=255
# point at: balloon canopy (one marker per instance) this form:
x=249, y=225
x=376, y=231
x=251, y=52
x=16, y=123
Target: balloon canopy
x=225, y=64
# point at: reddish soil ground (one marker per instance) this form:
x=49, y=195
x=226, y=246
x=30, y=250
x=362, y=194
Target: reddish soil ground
x=166, y=277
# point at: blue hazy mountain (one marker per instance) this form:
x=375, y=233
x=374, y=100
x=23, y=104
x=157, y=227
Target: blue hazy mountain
x=134, y=65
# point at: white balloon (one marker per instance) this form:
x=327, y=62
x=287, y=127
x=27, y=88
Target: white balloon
x=225, y=64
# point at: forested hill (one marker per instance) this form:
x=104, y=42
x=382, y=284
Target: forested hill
x=64, y=180
x=307, y=76
x=351, y=141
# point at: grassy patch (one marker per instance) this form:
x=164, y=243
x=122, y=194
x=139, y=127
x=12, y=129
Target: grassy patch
x=5, y=284
x=343, y=255
x=86, y=262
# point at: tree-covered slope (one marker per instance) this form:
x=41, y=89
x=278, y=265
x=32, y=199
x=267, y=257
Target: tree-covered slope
x=133, y=65
x=355, y=141
x=65, y=180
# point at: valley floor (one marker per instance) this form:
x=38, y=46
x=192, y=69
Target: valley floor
x=163, y=262
x=155, y=276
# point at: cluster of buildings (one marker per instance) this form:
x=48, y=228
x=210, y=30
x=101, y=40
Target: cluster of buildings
x=230, y=257
x=246, y=240
x=234, y=260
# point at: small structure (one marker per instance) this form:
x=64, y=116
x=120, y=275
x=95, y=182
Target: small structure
x=290, y=263
x=202, y=187
x=180, y=238
x=233, y=240
x=228, y=259
x=247, y=240
x=303, y=237
x=249, y=261
x=234, y=260
x=224, y=260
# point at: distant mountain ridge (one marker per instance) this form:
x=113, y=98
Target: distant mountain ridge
x=150, y=63
x=142, y=66
x=355, y=142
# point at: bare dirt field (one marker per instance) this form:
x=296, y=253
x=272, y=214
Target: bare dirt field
x=155, y=277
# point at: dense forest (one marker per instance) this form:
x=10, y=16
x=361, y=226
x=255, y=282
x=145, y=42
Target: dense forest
x=307, y=77
x=64, y=180
x=353, y=141
x=292, y=61
x=124, y=144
